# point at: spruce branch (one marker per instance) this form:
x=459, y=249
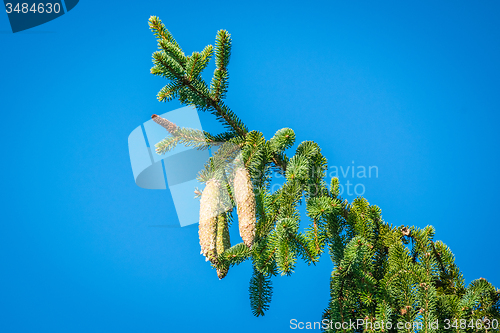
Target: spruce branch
x=260, y=292
x=187, y=136
x=161, y=31
x=381, y=271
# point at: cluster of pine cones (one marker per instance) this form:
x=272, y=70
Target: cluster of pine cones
x=214, y=231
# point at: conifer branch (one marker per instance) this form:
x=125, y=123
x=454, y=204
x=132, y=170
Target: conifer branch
x=260, y=293
x=189, y=137
x=380, y=271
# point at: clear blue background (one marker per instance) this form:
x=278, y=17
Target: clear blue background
x=411, y=87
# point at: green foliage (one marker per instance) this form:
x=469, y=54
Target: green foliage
x=261, y=292
x=184, y=73
x=283, y=139
x=380, y=272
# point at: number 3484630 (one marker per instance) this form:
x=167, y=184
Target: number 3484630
x=38, y=8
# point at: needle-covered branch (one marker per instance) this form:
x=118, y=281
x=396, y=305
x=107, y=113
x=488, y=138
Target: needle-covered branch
x=380, y=272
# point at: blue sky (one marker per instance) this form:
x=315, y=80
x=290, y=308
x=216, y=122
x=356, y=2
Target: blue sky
x=409, y=87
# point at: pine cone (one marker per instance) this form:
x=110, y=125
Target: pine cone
x=208, y=220
x=223, y=243
x=165, y=123
x=245, y=204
